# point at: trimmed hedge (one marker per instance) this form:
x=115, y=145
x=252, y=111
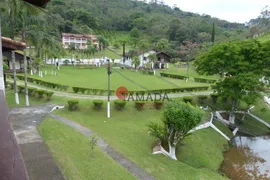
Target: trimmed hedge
x=90, y=91
x=120, y=104
x=40, y=93
x=20, y=88
x=148, y=72
x=187, y=99
x=174, y=76
x=214, y=97
x=158, y=104
x=73, y=104
x=49, y=95
x=139, y=105
x=203, y=80
x=43, y=83
x=31, y=91
x=98, y=104
x=202, y=98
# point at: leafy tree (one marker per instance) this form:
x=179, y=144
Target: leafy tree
x=136, y=61
x=134, y=35
x=178, y=119
x=240, y=64
x=162, y=45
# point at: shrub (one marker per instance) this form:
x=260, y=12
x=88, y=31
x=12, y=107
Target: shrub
x=139, y=105
x=119, y=104
x=202, y=80
x=20, y=88
x=76, y=89
x=158, y=104
x=175, y=76
x=73, y=104
x=202, y=98
x=66, y=62
x=214, y=97
x=98, y=104
x=187, y=99
x=48, y=95
x=40, y=93
x=31, y=91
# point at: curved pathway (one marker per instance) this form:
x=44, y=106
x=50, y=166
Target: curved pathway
x=37, y=157
x=120, y=159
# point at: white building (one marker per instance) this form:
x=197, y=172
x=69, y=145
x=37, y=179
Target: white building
x=160, y=62
x=80, y=40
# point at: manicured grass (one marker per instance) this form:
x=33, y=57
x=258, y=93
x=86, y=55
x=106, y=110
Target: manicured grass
x=98, y=79
x=262, y=110
x=127, y=132
x=223, y=128
x=75, y=157
x=183, y=71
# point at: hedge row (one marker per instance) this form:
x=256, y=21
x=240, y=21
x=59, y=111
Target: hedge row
x=42, y=83
x=40, y=93
x=73, y=104
x=175, y=76
x=174, y=90
x=148, y=72
x=91, y=91
x=202, y=80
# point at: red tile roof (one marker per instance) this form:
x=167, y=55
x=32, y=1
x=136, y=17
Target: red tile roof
x=12, y=45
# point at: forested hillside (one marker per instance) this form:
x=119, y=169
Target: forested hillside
x=153, y=19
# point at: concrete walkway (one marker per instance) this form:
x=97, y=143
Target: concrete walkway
x=39, y=162
x=126, y=163
x=85, y=96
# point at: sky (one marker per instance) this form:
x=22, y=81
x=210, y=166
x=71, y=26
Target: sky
x=231, y=10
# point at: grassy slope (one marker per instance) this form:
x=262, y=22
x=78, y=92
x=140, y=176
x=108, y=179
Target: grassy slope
x=97, y=78
x=127, y=132
x=264, y=38
x=75, y=157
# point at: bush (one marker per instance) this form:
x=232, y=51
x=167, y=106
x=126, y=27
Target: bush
x=66, y=62
x=98, y=104
x=158, y=104
x=31, y=91
x=202, y=98
x=20, y=88
x=214, y=97
x=119, y=104
x=76, y=89
x=73, y=104
x=187, y=99
x=40, y=93
x=139, y=105
x=202, y=80
x=49, y=95
x=175, y=76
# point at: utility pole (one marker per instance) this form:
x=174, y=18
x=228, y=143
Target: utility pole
x=124, y=52
x=2, y=83
x=109, y=90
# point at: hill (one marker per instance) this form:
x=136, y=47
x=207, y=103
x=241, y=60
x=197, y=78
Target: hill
x=155, y=20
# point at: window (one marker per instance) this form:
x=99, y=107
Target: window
x=144, y=58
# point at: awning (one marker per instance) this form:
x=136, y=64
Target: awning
x=10, y=45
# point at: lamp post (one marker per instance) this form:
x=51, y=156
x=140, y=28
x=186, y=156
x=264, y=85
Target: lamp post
x=109, y=92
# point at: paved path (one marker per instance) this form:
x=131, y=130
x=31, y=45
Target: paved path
x=39, y=162
x=129, y=165
x=84, y=96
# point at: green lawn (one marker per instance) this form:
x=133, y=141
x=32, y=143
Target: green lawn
x=75, y=157
x=98, y=79
x=127, y=132
x=183, y=71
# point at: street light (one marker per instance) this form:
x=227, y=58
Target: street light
x=109, y=91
